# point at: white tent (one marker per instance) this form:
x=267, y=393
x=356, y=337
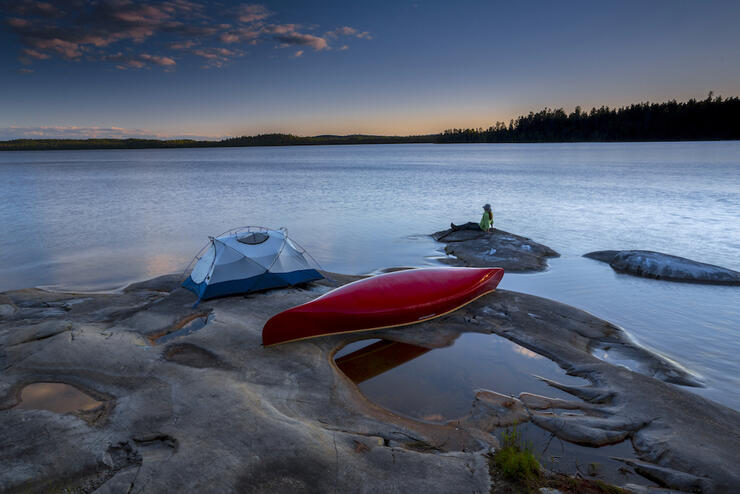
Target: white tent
x=249, y=259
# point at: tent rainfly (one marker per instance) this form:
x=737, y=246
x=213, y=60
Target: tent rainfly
x=247, y=260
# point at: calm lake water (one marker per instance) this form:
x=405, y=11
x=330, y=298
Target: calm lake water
x=101, y=219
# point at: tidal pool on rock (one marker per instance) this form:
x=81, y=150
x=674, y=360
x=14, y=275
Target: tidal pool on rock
x=55, y=397
x=439, y=385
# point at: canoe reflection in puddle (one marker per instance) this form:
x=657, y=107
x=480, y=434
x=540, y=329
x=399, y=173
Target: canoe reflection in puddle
x=439, y=385
x=377, y=358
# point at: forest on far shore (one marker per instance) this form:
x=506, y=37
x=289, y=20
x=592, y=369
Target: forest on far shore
x=694, y=120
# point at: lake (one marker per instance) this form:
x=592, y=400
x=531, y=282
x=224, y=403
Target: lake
x=97, y=220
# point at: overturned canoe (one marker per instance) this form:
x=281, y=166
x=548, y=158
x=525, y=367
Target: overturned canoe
x=383, y=301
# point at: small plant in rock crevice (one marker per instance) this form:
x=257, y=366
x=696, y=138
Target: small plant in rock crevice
x=515, y=459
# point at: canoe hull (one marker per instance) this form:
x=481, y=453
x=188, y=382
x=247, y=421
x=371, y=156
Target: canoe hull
x=384, y=301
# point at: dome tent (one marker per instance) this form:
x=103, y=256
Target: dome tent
x=248, y=259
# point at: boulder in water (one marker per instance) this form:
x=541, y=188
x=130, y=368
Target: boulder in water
x=661, y=266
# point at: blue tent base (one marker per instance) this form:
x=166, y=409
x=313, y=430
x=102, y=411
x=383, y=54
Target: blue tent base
x=257, y=283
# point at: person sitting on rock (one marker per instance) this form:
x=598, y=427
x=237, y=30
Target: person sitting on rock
x=486, y=222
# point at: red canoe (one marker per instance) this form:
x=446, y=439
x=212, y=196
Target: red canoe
x=383, y=301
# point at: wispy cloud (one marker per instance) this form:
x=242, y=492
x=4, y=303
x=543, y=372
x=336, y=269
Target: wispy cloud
x=250, y=14
x=217, y=57
x=348, y=31
x=141, y=60
x=301, y=39
x=119, y=31
x=76, y=132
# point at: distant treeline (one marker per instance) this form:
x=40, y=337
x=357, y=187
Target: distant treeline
x=51, y=144
x=693, y=120
x=289, y=139
x=708, y=119
x=259, y=140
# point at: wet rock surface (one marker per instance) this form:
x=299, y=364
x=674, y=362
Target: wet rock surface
x=498, y=248
x=657, y=265
x=212, y=410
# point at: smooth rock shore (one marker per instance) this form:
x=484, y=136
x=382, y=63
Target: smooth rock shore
x=657, y=265
x=213, y=411
x=498, y=248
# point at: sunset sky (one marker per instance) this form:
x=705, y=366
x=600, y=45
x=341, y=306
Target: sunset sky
x=121, y=68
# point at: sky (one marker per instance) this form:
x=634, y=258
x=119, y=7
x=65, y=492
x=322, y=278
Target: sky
x=188, y=68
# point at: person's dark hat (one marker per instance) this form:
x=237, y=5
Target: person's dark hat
x=487, y=207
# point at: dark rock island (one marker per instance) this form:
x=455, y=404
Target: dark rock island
x=498, y=248
x=657, y=265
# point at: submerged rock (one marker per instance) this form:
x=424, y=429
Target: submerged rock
x=498, y=248
x=657, y=265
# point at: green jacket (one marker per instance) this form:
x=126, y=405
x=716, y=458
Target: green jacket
x=486, y=221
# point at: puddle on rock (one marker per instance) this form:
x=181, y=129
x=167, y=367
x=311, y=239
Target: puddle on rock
x=440, y=385
x=55, y=397
x=187, y=326
x=617, y=357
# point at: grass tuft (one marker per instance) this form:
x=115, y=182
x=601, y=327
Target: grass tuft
x=515, y=459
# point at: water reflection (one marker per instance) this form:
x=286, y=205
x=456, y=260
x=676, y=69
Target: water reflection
x=55, y=397
x=377, y=358
x=439, y=385
x=184, y=327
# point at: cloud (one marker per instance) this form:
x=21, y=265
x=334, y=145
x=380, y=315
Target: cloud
x=183, y=45
x=297, y=54
x=17, y=22
x=342, y=31
x=42, y=47
x=100, y=30
x=300, y=39
x=28, y=52
x=217, y=57
x=240, y=35
x=78, y=132
x=32, y=7
x=347, y=31
x=141, y=60
x=527, y=353
x=252, y=13
x=158, y=60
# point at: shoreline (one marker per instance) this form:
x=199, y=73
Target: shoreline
x=205, y=145
x=108, y=345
